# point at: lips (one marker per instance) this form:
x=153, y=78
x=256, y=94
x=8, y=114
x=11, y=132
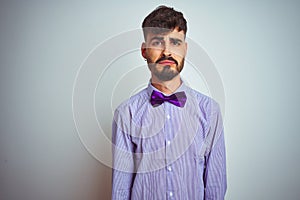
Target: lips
x=166, y=62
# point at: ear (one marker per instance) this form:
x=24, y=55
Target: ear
x=185, y=48
x=143, y=50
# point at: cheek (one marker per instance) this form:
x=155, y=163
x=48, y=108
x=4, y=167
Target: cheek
x=153, y=55
x=179, y=54
x=178, y=58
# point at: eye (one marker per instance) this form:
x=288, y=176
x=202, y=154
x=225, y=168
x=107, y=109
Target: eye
x=176, y=42
x=156, y=43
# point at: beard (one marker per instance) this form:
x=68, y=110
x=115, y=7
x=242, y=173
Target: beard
x=167, y=73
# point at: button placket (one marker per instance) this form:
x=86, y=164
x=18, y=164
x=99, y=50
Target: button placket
x=168, y=116
x=169, y=128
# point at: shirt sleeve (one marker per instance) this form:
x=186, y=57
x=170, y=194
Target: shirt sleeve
x=215, y=172
x=123, y=163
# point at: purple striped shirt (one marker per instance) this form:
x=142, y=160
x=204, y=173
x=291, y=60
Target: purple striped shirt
x=168, y=152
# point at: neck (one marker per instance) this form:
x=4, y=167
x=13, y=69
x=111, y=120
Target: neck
x=167, y=87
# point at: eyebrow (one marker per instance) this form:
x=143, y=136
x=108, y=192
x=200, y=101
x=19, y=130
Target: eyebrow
x=176, y=40
x=157, y=38
x=162, y=38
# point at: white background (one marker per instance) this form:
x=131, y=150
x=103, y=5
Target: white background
x=255, y=46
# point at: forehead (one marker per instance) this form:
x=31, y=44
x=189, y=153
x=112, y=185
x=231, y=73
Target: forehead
x=168, y=34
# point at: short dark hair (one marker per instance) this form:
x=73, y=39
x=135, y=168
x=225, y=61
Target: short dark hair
x=164, y=18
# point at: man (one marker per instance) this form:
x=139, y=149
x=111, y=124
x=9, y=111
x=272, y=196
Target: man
x=168, y=140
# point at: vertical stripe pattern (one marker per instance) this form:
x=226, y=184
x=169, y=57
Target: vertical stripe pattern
x=168, y=152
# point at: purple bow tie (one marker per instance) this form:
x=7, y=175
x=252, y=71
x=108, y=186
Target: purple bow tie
x=178, y=99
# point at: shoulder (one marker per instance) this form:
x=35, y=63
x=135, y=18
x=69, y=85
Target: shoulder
x=202, y=99
x=134, y=102
x=207, y=105
x=127, y=111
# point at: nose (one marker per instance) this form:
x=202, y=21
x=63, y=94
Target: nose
x=166, y=51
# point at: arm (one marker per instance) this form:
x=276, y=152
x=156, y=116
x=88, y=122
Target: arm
x=215, y=172
x=123, y=167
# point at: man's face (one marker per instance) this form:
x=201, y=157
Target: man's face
x=165, y=53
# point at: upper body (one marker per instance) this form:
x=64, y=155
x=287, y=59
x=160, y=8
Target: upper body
x=172, y=149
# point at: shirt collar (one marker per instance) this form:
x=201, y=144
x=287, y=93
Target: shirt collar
x=150, y=88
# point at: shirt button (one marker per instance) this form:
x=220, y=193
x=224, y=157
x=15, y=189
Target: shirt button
x=168, y=117
x=168, y=142
x=171, y=194
x=169, y=168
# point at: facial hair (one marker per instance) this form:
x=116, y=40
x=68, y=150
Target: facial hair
x=167, y=73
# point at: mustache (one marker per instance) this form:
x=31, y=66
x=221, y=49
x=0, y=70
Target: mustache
x=166, y=58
